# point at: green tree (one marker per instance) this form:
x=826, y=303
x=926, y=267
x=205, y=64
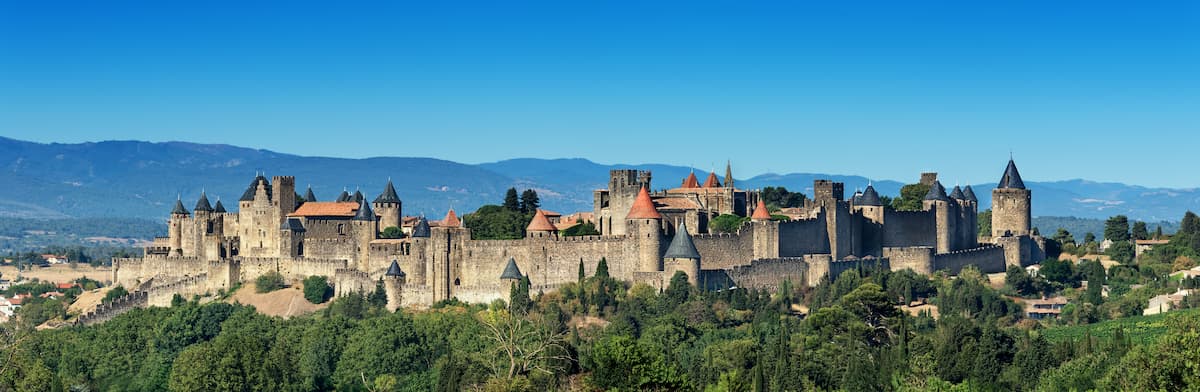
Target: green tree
x=727, y=223
x=911, y=198
x=511, y=201
x=114, y=293
x=582, y=229
x=984, y=221
x=316, y=289
x=779, y=197
x=496, y=223
x=379, y=346
x=529, y=201
x=1116, y=229
x=1139, y=231
x=269, y=282
x=392, y=232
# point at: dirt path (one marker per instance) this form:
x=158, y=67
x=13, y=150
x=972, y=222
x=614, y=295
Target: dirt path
x=284, y=303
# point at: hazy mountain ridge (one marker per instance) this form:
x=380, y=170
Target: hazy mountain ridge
x=142, y=179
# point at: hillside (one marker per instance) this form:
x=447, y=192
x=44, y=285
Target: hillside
x=141, y=179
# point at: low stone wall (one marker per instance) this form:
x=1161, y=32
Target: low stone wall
x=989, y=260
x=186, y=288
x=105, y=312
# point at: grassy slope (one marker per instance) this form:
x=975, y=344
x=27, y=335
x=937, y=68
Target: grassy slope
x=1140, y=329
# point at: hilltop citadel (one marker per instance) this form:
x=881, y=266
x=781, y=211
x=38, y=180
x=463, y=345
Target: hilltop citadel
x=645, y=237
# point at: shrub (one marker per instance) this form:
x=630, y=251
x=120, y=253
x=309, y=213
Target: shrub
x=316, y=289
x=116, y=292
x=269, y=282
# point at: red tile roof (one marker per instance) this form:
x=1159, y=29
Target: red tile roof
x=760, y=212
x=690, y=181
x=712, y=181
x=326, y=208
x=643, y=207
x=540, y=223
x=451, y=220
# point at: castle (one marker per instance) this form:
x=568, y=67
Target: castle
x=646, y=237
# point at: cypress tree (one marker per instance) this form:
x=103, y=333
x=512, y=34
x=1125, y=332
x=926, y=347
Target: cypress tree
x=511, y=202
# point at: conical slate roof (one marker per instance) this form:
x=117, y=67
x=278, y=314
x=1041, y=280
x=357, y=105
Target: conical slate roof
x=969, y=194
x=364, y=212
x=358, y=196
x=179, y=210
x=957, y=193
x=643, y=207
x=682, y=246
x=870, y=198
x=388, y=195
x=760, y=212
x=421, y=229
x=220, y=208
x=937, y=192
x=511, y=271
x=394, y=270
x=248, y=195
x=690, y=181
x=309, y=196
x=712, y=181
x=202, y=204
x=451, y=219
x=540, y=223
x=344, y=197
x=292, y=225
x=1012, y=177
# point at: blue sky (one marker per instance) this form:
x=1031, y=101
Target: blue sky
x=1075, y=89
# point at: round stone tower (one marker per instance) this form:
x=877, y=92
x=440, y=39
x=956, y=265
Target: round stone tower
x=179, y=215
x=645, y=223
x=388, y=206
x=944, y=216
x=1011, y=205
x=682, y=256
x=393, y=284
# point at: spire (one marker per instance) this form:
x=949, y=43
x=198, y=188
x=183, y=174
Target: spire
x=760, y=212
x=388, y=195
x=394, y=270
x=728, y=175
x=957, y=193
x=248, y=195
x=690, y=181
x=937, y=192
x=220, y=209
x=540, y=223
x=451, y=219
x=711, y=181
x=1012, y=178
x=364, y=212
x=202, y=204
x=870, y=197
x=643, y=207
x=682, y=246
x=179, y=210
x=308, y=195
x=969, y=194
x=511, y=272
x=421, y=229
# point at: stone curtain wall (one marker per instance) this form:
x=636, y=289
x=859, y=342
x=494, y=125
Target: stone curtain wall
x=917, y=258
x=764, y=274
x=801, y=237
x=989, y=260
x=105, y=312
x=909, y=228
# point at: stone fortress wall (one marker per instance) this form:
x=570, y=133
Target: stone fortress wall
x=211, y=249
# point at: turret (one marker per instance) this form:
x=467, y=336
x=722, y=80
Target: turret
x=944, y=216
x=308, y=195
x=690, y=181
x=1011, y=205
x=761, y=214
x=393, y=283
x=365, y=229
x=540, y=227
x=870, y=206
x=388, y=206
x=511, y=273
x=711, y=181
x=179, y=215
x=451, y=219
x=645, y=224
x=682, y=256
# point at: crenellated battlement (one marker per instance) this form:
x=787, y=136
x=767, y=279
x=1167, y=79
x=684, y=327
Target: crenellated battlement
x=105, y=312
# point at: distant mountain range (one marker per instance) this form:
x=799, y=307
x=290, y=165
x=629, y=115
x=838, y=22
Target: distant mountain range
x=142, y=179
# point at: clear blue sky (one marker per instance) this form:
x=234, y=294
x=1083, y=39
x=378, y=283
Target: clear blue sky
x=1076, y=89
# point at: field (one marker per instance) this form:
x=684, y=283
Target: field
x=1139, y=329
